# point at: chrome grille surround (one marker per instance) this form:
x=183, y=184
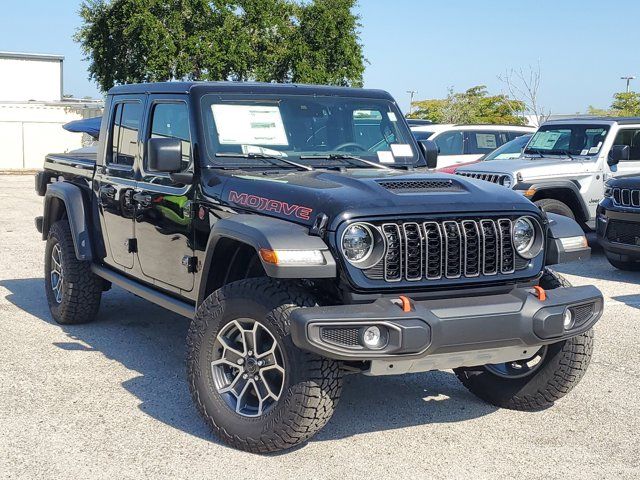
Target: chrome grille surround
x=626, y=197
x=454, y=250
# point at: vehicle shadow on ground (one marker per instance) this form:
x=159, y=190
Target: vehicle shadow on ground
x=151, y=341
x=597, y=268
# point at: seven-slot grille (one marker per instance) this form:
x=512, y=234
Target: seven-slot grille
x=626, y=197
x=432, y=250
x=498, y=178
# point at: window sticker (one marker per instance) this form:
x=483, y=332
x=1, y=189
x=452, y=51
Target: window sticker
x=249, y=124
x=392, y=116
x=386, y=157
x=486, y=140
x=544, y=140
x=593, y=150
x=401, y=150
x=584, y=152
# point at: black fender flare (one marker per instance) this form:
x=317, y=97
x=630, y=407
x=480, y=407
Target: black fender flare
x=262, y=232
x=560, y=230
x=567, y=185
x=71, y=198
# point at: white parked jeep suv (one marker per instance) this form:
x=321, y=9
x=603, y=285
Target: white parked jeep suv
x=566, y=163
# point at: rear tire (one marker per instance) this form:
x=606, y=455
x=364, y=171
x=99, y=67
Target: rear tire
x=221, y=351
x=561, y=366
x=551, y=205
x=73, y=290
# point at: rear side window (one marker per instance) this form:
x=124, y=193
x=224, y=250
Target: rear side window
x=171, y=120
x=631, y=138
x=124, y=133
x=450, y=143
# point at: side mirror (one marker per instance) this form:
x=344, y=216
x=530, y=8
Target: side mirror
x=618, y=153
x=164, y=155
x=430, y=150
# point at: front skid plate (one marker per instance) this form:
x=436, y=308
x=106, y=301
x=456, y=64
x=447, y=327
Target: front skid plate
x=445, y=361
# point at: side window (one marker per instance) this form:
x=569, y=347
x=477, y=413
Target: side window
x=124, y=133
x=481, y=143
x=630, y=137
x=171, y=120
x=450, y=143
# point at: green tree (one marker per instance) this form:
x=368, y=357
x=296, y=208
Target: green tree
x=130, y=41
x=475, y=105
x=626, y=104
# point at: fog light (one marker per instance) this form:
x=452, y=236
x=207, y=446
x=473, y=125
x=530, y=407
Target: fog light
x=569, y=320
x=372, y=337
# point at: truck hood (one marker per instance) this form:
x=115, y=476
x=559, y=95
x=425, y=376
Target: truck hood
x=531, y=169
x=302, y=196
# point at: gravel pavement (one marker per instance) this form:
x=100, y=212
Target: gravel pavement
x=109, y=399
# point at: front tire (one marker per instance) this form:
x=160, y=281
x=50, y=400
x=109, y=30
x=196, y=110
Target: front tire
x=626, y=266
x=551, y=205
x=253, y=386
x=535, y=383
x=73, y=290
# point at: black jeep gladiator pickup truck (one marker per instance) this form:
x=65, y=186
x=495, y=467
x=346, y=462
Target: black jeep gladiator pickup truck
x=305, y=233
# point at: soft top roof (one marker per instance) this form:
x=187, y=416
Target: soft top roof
x=247, y=87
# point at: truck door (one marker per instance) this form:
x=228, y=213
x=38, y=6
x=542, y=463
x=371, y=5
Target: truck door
x=164, y=207
x=630, y=137
x=114, y=181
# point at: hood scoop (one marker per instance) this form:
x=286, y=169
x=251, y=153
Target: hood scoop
x=419, y=186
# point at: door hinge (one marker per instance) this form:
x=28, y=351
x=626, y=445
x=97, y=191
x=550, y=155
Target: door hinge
x=132, y=245
x=191, y=263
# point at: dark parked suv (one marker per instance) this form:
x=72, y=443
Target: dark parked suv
x=303, y=232
x=618, y=224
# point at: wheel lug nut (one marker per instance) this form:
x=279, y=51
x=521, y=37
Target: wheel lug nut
x=256, y=377
x=240, y=361
x=260, y=363
x=245, y=376
x=250, y=352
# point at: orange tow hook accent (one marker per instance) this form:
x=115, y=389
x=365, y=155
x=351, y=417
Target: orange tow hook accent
x=406, y=303
x=540, y=293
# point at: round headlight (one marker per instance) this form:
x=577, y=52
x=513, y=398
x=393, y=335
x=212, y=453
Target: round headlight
x=506, y=181
x=525, y=238
x=357, y=243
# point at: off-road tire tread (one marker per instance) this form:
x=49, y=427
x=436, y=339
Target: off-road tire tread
x=314, y=399
x=82, y=288
x=548, y=385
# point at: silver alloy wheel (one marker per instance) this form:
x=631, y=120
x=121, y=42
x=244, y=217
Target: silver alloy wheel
x=248, y=367
x=57, y=273
x=519, y=368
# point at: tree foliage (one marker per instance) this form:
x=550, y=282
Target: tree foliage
x=625, y=104
x=474, y=106
x=130, y=41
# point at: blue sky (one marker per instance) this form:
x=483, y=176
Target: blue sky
x=583, y=46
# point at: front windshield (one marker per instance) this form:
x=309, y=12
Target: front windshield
x=568, y=139
x=309, y=130
x=509, y=150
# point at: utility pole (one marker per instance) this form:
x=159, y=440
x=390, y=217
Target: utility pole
x=411, y=95
x=628, y=79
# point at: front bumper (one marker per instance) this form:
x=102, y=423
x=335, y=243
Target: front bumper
x=465, y=331
x=617, y=251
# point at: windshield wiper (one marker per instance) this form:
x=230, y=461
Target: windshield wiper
x=343, y=156
x=535, y=151
x=567, y=153
x=263, y=156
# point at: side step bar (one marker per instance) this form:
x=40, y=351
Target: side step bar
x=166, y=301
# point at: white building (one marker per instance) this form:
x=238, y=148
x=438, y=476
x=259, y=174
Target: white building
x=33, y=110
